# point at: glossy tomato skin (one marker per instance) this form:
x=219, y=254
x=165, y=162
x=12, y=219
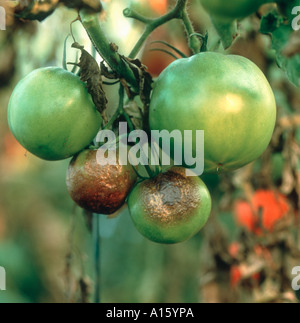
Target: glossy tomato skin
x=226, y=96
x=52, y=115
x=99, y=188
x=171, y=207
x=232, y=9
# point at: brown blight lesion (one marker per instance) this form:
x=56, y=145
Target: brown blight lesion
x=171, y=197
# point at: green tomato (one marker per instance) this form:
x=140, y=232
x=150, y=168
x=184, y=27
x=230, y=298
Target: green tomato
x=171, y=207
x=226, y=96
x=52, y=115
x=232, y=9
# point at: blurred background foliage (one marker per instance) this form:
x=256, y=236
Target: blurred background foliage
x=45, y=244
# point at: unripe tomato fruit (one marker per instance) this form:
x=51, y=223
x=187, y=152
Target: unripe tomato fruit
x=226, y=96
x=96, y=188
x=52, y=115
x=171, y=207
x=274, y=206
x=232, y=9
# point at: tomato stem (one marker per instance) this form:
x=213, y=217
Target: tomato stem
x=150, y=172
x=120, y=111
x=93, y=28
x=178, y=12
x=194, y=42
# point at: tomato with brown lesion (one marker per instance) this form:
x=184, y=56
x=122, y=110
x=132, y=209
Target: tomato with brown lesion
x=97, y=188
x=170, y=207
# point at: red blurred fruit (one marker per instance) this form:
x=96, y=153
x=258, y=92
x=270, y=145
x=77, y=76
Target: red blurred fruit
x=237, y=272
x=234, y=249
x=157, y=61
x=159, y=6
x=272, y=205
x=235, y=276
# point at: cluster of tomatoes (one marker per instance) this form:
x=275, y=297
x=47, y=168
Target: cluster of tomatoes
x=52, y=115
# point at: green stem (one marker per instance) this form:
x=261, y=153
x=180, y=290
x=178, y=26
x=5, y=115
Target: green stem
x=194, y=42
x=120, y=111
x=128, y=120
x=92, y=26
x=112, y=120
x=121, y=108
x=150, y=172
x=149, y=29
x=178, y=12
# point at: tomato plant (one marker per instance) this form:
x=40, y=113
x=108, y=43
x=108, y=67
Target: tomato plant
x=56, y=114
x=238, y=119
x=171, y=207
x=96, y=188
x=52, y=115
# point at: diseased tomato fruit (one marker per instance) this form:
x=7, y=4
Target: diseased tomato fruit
x=272, y=205
x=52, y=115
x=171, y=207
x=96, y=188
x=226, y=96
x=232, y=9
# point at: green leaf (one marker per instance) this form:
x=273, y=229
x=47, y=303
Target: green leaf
x=283, y=37
x=270, y=23
x=280, y=40
x=227, y=30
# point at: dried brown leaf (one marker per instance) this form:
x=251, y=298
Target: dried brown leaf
x=90, y=73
